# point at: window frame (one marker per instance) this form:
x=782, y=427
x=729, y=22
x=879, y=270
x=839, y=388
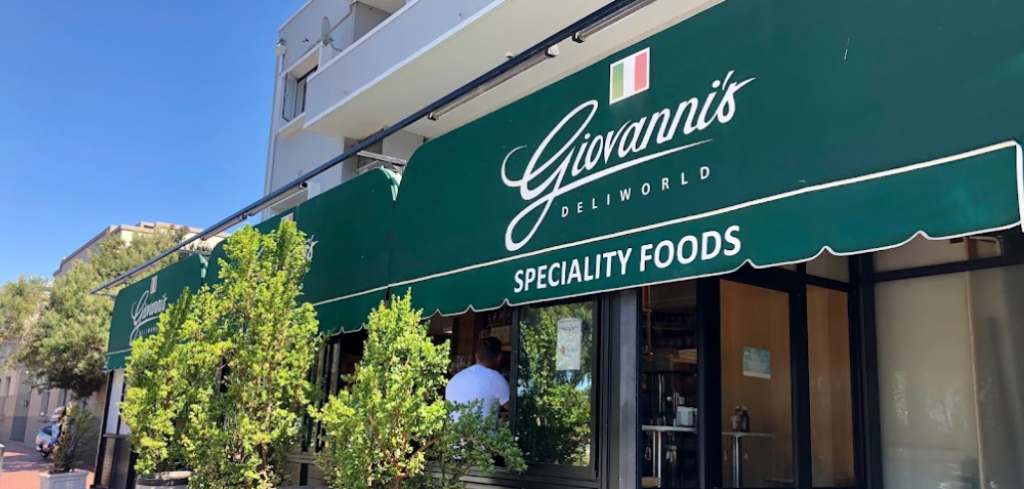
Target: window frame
x=295, y=107
x=598, y=353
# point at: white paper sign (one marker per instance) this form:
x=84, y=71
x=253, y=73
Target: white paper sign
x=570, y=342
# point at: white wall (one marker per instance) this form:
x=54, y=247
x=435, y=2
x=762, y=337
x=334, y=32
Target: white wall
x=360, y=20
x=306, y=25
x=366, y=18
x=299, y=153
x=399, y=38
x=402, y=145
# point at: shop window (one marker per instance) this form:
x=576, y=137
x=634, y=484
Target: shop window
x=951, y=379
x=463, y=332
x=551, y=372
x=555, y=414
x=337, y=360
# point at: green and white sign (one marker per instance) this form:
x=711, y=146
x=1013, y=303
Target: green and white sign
x=754, y=133
x=138, y=306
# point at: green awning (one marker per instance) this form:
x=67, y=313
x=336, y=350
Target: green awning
x=348, y=228
x=138, y=306
x=755, y=132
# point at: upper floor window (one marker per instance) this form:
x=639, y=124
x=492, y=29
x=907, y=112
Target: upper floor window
x=295, y=95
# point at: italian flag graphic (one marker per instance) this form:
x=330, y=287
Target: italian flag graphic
x=631, y=76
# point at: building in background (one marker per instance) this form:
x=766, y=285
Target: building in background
x=126, y=232
x=23, y=409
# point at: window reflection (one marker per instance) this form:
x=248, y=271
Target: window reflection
x=554, y=401
x=950, y=378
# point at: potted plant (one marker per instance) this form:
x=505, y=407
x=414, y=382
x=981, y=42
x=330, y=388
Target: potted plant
x=280, y=48
x=75, y=445
x=164, y=480
x=221, y=387
x=391, y=428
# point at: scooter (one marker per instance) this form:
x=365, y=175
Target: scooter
x=45, y=439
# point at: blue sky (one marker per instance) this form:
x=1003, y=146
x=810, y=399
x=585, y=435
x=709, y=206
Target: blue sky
x=120, y=111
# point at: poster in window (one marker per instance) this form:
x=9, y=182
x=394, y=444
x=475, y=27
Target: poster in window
x=570, y=342
x=757, y=363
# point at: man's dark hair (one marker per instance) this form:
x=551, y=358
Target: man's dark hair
x=488, y=349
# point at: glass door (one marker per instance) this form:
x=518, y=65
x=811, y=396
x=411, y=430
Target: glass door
x=756, y=387
x=746, y=382
x=669, y=386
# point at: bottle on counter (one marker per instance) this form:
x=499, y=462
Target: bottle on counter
x=745, y=420
x=737, y=419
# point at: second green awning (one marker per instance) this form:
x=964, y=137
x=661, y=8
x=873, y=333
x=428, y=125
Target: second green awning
x=138, y=306
x=348, y=228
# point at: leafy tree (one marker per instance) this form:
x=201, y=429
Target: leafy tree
x=66, y=348
x=21, y=303
x=232, y=362
x=382, y=430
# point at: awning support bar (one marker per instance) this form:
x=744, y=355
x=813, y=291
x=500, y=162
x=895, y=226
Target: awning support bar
x=384, y=158
x=280, y=194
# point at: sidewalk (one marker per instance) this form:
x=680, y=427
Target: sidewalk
x=22, y=464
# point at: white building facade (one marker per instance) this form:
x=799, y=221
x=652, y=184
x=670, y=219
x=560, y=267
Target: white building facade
x=383, y=60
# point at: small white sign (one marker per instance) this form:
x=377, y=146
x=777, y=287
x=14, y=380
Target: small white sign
x=570, y=342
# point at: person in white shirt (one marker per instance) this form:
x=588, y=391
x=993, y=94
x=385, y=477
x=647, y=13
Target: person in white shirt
x=481, y=382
